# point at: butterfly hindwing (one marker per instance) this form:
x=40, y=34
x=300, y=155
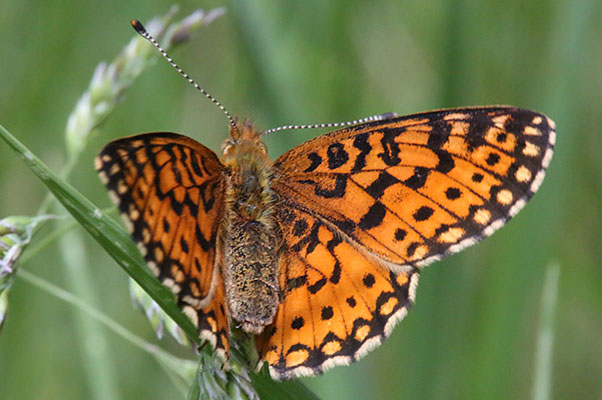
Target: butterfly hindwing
x=337, y=304
x=411, y=189
x=169, y=190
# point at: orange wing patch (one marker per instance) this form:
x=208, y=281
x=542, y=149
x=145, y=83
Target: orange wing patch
x=169, y=191
x=412, y=189
x=337, y=304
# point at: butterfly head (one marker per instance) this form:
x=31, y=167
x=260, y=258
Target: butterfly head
x=244, y=139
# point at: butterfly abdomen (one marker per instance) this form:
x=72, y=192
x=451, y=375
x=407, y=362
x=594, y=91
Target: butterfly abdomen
x=250, y=274
x=249, y=236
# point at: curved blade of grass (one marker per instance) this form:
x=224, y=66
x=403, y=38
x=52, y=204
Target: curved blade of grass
x=119, y=246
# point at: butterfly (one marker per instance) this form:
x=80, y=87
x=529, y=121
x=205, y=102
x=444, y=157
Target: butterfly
x=317, y=255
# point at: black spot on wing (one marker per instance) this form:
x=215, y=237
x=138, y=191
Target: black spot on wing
x=337, y=156
x=423, y=213
x=478, y=125
x=368, y=280
x=338, y=191
x=336, y=273
x=390, y=153
x=206, y=244
x=361, y=143
x=400, y=234
x=374, y=217
x=439, y=135
x=184, y=245
x=196, y=167
x=452, y=193
x=315, y=159
x=446, y=162
x=300, y=227
x=377, y=188
x=492, y=159
x=418, y=179
x=477, y=177
x=298, y=323
x=412, y=248
x=326, y=313
x=319, y=284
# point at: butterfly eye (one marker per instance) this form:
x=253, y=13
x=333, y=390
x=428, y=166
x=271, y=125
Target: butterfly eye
x=227, y=145
x=263, y=147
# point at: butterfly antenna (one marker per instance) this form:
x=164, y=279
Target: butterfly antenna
x=137, y=25
x=379, y=117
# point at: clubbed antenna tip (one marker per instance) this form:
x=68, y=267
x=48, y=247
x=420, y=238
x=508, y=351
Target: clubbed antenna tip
x=137, y=25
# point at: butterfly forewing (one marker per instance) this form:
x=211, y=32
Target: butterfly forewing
x=411, y=189
x=169, y=189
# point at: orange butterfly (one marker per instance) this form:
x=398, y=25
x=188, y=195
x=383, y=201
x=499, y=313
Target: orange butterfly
x=318, y=254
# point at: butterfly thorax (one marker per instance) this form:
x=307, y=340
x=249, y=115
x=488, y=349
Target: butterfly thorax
x=248, y=231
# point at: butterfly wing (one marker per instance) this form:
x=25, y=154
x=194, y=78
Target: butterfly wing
x=337, y=305
x=397, y=194
x=169, y=190
x=412, y=189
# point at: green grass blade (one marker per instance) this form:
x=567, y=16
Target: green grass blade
x=542, y=383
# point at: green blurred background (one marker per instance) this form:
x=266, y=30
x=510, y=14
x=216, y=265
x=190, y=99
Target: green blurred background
x=473, y=331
